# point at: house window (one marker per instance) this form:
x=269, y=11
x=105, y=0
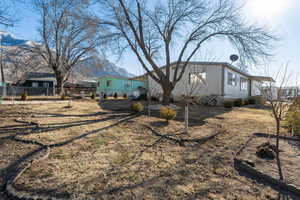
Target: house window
x=244, y=84
x=231, y=79
x=108, y=83
x=197, y=77
x=46, y=84
x=35, y=84
x=127, y=84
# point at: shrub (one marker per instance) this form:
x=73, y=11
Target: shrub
x=93, y=95
x=238, y=102
x=252, y=101
x=246, y=102
x=105, y=96
x=172, y=100
x=116, y=95
x=125, y=96
x=137, y=107
x=292, y=121
x=258, y=100
x=154, y=98
x=142, y=97
x=63, y=97
x=228, y=104
x=24, y=96
x=167, y=113
x=292, y=118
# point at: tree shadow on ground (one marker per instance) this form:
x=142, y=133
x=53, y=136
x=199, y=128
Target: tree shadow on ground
x=282, y=194
x=10, y=171
x=25, y=130
x=197, y=113
x=159, y=124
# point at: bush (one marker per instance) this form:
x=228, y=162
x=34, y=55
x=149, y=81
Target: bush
x=137, y=107
x=246, y=102
x=167, y=113
x=63, y=97
x=125, y=96
x=238, y=102
x=292, y=118
x=116, y=95
x=105, y=96
x=154, y=98
x=252, y=101
x=24, y=96
x=292, y=121
x=93, y=95
x=258, y=100
x=228, y=104
x=142, y=97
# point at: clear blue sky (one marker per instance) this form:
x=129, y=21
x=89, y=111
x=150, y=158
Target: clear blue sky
x=282, y=16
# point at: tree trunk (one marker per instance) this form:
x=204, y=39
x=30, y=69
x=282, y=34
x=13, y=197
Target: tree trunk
x=277, y=149
x=60, y=83
x=166, y=95
x=2, y=72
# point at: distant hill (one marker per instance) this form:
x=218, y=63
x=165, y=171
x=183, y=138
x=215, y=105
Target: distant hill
x=91, y=68
x=96, y=67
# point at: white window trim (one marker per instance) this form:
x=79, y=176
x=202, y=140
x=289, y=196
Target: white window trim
x=233, y=80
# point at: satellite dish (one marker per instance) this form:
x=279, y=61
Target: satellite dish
x=234, y=58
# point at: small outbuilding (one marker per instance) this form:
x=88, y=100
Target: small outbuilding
x=110, y=85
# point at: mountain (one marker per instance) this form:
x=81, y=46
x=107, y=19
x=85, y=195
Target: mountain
x=91, y=68
x=9, y=40
x=96, y=67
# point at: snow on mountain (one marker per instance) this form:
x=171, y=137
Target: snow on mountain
x=8, y=39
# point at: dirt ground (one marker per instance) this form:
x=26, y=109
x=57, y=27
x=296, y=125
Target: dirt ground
x=289, y=154
x=101, y=153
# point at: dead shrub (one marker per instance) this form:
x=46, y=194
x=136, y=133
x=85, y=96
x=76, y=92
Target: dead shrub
x=167, y=113
x=137, y=107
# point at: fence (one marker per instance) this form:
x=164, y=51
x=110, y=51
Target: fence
x=32, y=91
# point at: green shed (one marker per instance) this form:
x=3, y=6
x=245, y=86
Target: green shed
x=110, y=85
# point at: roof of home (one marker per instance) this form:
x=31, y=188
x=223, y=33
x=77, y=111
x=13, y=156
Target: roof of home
x=110, y=76
x=263, y=78
x=117, y=77
x=40, y=76
x=230, y=66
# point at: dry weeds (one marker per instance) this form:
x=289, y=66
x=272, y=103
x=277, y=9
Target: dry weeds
x=127, y=161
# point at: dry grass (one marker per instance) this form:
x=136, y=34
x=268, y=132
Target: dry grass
x=290, y=158
x=127, y=161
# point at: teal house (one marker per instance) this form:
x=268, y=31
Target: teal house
x=110, y=85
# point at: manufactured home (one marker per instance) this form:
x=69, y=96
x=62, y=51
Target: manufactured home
x=216, y=78
x=110, y=85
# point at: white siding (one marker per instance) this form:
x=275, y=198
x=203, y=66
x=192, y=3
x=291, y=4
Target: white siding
x=255, y=91
x=235, y=91
x=213, y=84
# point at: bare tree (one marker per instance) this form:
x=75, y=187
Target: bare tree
x=191, y=89
x=279, y=106
x=68, y=35
x=19, y=62
x=176, y=30
x=6, y=17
